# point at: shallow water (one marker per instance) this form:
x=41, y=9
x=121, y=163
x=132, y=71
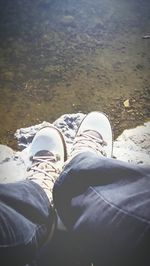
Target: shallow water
x=67, y=56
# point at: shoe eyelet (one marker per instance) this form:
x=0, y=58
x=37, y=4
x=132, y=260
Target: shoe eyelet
x=28, y=168
x=31, y=158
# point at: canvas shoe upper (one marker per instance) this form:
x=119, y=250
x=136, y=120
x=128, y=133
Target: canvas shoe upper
x=47, y=155
x=94, y=134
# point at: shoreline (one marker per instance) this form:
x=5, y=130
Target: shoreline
x=133, y=146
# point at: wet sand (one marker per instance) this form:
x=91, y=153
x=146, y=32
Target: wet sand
x=61, y=57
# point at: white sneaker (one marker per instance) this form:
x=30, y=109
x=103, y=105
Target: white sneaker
x=47, y=154
x=94, y=134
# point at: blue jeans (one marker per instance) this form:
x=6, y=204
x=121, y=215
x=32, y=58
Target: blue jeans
x=104, y=203
x=26, y=219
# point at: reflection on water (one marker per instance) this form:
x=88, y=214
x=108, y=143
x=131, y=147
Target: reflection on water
x=66, y=56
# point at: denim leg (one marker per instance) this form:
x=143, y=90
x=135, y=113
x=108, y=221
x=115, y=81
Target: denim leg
x=26, y=218
x=105, y=203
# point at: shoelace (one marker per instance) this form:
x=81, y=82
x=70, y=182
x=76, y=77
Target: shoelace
x=89, y=141
x=47, y=165
x=44, y=171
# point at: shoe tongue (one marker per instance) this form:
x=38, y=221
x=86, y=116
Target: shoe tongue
x=43, y=153
x=93, y=133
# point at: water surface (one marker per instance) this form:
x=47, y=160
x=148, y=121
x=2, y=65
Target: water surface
x=67, y=56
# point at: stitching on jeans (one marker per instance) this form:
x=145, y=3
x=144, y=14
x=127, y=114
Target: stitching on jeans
x=27, y=241
x=121, y=210
x=143, y=233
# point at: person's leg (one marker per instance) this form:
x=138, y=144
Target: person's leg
x=26, y=221
x=104, y=202
x=27, y=218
